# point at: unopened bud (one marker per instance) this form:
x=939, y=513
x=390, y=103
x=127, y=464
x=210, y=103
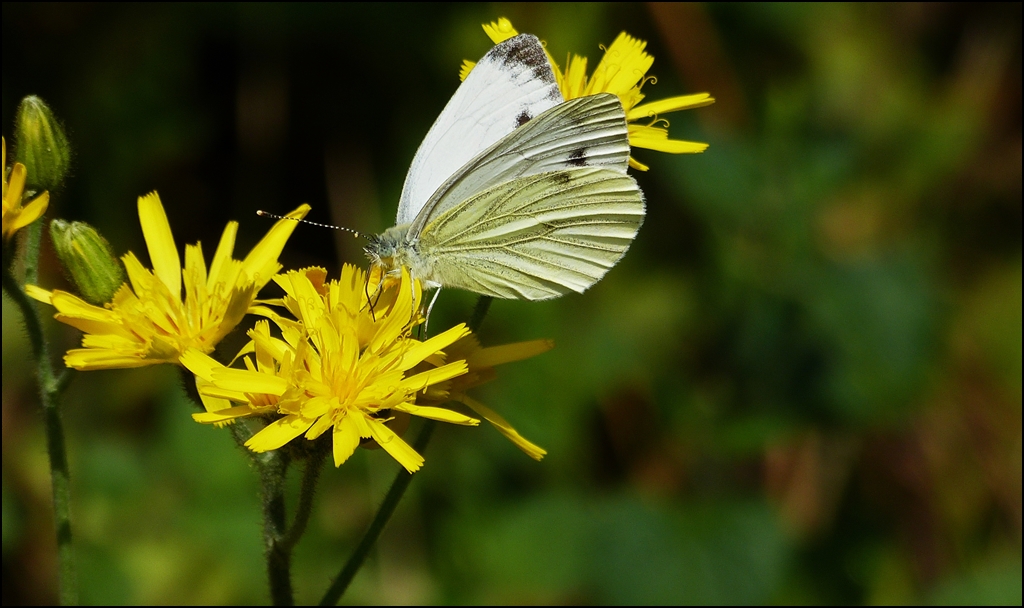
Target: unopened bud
x=40, y=144
x=88, y=260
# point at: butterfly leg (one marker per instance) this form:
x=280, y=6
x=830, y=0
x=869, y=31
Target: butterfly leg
x=370, y=301
x=430, y=308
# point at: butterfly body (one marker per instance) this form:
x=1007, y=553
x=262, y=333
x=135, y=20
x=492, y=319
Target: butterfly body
x=540, y=204
x=392, y=250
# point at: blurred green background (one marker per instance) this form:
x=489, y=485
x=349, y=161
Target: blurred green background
x=801, y=385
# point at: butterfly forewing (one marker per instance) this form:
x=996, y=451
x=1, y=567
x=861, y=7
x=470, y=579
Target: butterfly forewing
x=536, y=237
x=585, y=132
x=511, y=84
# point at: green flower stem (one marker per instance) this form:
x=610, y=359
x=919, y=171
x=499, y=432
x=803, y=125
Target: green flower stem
x=33, y=238
x=273, y=467
x=483, y=304
x=279, y=542
x=310, y=476
x=387, y=508
x=50, y=388
x=395, y=492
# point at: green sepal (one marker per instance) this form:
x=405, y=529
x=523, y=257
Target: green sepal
x=41, y=145
x=88, y=260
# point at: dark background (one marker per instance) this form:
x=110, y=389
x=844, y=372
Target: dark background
x=801, y=385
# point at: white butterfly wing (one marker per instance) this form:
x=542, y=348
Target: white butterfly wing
x=510, y=85
x=584, y=132
x=535, y=237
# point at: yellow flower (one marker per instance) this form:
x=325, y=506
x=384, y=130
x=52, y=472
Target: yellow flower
x=622, y=71
x=16, y=217
x=481, y=362
x=149, y=322
x=347, y=363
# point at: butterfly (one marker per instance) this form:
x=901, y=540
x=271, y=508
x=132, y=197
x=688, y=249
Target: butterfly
x=514, y=192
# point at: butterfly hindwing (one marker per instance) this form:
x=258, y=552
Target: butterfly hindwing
x=511, y=84
x=536, y=237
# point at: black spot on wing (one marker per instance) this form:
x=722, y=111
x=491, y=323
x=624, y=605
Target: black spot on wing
x=578, y=158
x=562, y=178
x=523, y=50
x=544, y=74
x=523, y=118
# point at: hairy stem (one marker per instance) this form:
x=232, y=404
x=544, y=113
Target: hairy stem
x=307, y=491
x=273, y=468
x=395, y=492
x=387, y=508
x=50, y=389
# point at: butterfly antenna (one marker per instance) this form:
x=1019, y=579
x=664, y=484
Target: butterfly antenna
x=355, y=233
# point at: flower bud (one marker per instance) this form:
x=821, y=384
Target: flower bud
x=41, y=144
x=88, y=260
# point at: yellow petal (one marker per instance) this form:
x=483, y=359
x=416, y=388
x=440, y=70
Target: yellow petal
x=310, y=304
x=224, y=415
x=395, y=445
x=467, y=67
x=160, y=242
x=222, y=257
x=195, y=273
x=624, y=65
x=215, y=392
x=422, y=380
x=361, y=423
x=532, y=450
x=672, y=104
x=235, y=308
x=436, y=413
x=140, y=278
x=101, y=339
x=200, y=364
x=317, y=406
x=346, y=439
x=319, y=427
x=15, y=183
x=73, y=306
x=672, y=146
x=211, y=403
x=269, y=248
x=574, y=83
x=278, y=433
x=88, y=359
x=499, y=31
x=639, y=166
x=507, y=353
x=418, y=352
x=249, y=381
x=163, y=350
x=38, y=293
x=397, y=319
x=31, y=212
x=100, y=329
x=656, y=138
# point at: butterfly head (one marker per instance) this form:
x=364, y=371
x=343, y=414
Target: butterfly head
x=392, y=250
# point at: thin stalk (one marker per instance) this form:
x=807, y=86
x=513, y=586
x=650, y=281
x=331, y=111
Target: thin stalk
x=273, y=469
x=483, y=304
x=395, y=492
x=50, y=388
x=279, y=542
x=387, y=508
x=307, y=491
